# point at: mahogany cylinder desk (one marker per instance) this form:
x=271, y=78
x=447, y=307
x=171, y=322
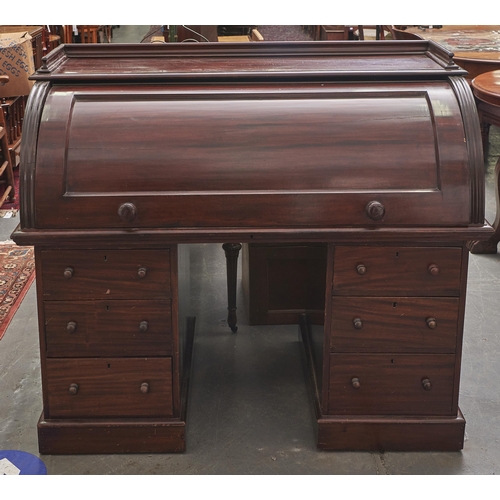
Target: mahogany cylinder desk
x=130, y=152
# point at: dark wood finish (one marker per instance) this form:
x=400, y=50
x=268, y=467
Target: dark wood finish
x=486, y=88
x=397, y=270
x=130, y=151
x=105, y=274
x=232, y=251
x=281, y=282
x=394, y=324
x=109, y=387
x=108, y=328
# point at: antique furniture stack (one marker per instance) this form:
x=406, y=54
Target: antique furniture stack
x=133, y=152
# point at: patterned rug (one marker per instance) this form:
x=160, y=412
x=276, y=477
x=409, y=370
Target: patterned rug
x=17, y=272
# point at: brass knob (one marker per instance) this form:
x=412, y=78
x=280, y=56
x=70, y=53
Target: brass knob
x=127, y=212
x=355, y=383
x=142, y=271
x=144, y=387
x=431, y=323
x=433, y=269
x=68, y=272
x=361, y=269
x=73, y=389
x=358, y=324
x=71, y=327
x=375, y=210
x=426, y=384
x=143, y=326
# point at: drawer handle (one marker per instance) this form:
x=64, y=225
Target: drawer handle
x=144, y=387
x=127, y=212
x=426, y=384
x=68, y=272
x=431, y=323
x=433, y=269
x=142, y=271
x=358, y=324
x=71, y=327
x=361, y=269
x=375, y=210
x=355, y=382
x=143, y=326
x=73, y=389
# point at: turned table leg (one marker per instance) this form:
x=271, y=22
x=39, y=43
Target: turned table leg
x=490, y=245
x=232, y=251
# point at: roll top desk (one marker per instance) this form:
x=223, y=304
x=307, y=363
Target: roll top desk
x=130, y=152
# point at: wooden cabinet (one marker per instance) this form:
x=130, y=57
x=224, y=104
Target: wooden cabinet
x=353, y=172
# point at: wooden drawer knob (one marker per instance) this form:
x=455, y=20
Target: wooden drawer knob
x=431, y=323
x=73, y=389
x=355, y=382
x=426, y=384
x=144, y=387
x=142, y=272
x=127, y=212
x=361, y=269
x=433, y=269
x=71, y=327
x=143, y=326
x=375, y=210
x=358, y=324
x=68, y=272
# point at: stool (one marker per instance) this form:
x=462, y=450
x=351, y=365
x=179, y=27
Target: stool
x=486, y=88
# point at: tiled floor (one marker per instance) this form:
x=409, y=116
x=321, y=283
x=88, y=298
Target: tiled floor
x=249, y=411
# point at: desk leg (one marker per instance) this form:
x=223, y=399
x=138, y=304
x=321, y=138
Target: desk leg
x=490, y=245
x=232, y=251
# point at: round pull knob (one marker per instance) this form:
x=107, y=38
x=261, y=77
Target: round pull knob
x=358, y=324
x=68, y=272
x=355, y=383
x=142, y=272
x=433, y=269
x=71, y=327
x=73, y=389
x=375, y=210
x=361, y=269
x=127, y=212
x=426, y=384
x=143, y=326
x=144, y=387
x=431, y=323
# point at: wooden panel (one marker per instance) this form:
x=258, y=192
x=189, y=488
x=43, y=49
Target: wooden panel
x=105, y=274
x=283, y=281
x=397, y=270
x=394, y=324
x=109, y=387
x=391, y=384
x=108, y=328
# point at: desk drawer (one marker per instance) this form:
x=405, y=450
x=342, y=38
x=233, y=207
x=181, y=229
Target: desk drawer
x=105, y=274
x=397, y=270
x=109, y=387
x=396, y=384
x=108, y=328
x=394, y=324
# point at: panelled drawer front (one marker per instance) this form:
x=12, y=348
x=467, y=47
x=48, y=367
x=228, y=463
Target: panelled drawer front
x=109, y=387
x=105, y=274
x=108, y=328
x=396, y=384
x=397, y=270
x=394, y=324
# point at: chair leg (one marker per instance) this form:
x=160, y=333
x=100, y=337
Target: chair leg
x=232, y=251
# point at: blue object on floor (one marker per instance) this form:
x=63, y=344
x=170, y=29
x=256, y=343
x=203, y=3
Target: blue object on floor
x=14, y=462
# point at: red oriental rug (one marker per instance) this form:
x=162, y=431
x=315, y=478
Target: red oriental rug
x=17, y=272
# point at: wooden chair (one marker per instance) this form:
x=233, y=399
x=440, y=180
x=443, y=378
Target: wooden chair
x=6, y=172
x=89, y=33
